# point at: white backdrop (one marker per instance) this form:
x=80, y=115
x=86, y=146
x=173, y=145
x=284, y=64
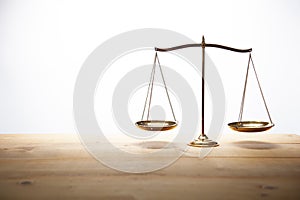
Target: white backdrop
x=44, y=43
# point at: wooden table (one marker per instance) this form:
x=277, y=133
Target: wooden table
x=48, y=166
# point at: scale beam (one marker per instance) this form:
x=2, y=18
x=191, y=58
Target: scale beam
x=206, y=45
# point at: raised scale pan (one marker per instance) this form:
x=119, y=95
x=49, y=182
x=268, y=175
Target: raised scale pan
x=250, y=126
x=156, y=125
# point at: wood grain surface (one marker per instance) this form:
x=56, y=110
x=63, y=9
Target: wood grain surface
x=244, y=166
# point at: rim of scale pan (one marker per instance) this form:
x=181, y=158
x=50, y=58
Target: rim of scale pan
x=156, y=125
x=250, y=126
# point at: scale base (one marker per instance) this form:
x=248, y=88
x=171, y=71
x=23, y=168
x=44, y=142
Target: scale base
x=203, y=141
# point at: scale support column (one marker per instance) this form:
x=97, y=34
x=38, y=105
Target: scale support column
x=203, y=140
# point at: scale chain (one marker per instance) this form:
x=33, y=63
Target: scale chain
x=151, y=81
x=150, y=89
x=244, y=92
x=162, y=75
x=261, y=90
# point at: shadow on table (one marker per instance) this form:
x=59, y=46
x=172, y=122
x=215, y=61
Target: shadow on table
x=256, y=145
x=155, y=145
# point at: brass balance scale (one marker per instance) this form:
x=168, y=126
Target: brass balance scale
x=202, y=141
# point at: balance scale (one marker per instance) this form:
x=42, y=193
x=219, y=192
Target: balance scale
x=202, y=141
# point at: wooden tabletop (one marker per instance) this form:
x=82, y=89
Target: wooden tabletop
x=244, y=166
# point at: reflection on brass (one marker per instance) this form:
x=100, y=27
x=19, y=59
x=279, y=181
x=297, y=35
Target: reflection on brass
x=250, y=126
x=156, y=125
x=203, y=141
